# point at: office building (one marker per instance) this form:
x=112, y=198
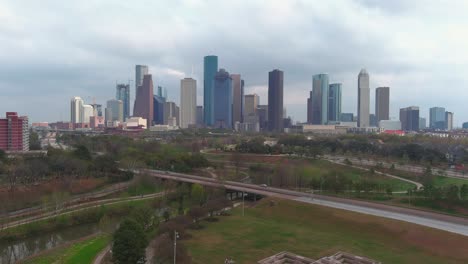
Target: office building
x=200, y=121
x=140, y=72
x=334, y=102
x=409, y=118
x=123, y=94
x=144, y=105
x=275, y=101
x=363, y=99
x=465, y=125
x=437, y=118
x=114, y=111
x=318, y=100
x=158, y=109
x=422, y=123
x=97, y=108
x=210, y=68
x=170, y=112
x=390, y=124
x=14, y=132
x=76, y=110
x=188, y=102
x=88, y=112
x=222, y=100
x=250, y=104
x=448, y=121
x=382, y=103
x=262, y=112
x=373, y=120
x=237, y=98
x=347, y=117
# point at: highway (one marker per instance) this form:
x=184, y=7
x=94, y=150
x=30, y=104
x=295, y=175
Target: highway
x=448, y=223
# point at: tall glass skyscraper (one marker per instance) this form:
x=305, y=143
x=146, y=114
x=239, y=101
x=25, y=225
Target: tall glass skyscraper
x=275, y=101
x=210, y=68
x=334, y=102
x=222, y=100
x=437, y=118
x=123, y=94
x=363, y=99
x=318, y=101
x=382, y=103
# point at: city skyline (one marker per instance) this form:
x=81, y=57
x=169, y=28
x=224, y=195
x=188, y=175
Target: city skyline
x=91, y=61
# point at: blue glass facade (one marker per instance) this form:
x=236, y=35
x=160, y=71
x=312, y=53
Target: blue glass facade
x=319, y=99
x=158, y=109
x=437, y=118
x=334, y=102
x=222, y=100
x=210, y=68
x=123, y=94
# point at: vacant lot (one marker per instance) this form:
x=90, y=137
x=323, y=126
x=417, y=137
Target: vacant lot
x=315, y=231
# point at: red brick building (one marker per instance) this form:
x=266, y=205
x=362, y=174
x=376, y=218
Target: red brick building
x=14, y=132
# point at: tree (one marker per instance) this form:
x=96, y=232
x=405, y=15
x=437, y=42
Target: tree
x=452, y=193
x=105, y=224
x=464, y=192
x=145, y=216
x=166, y=215
x=197, y=194
x=34, y=142
x=82, y=153
x=196, y=213
x=129, y=243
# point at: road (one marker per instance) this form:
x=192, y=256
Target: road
x=438, y=221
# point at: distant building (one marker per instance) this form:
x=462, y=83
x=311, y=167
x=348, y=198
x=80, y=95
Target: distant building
x=262, y=112
x=114, y=111
x=14, y=132
x=422, y=123
x=382, y=103
x=200, y=121
x=318, y=100
x=123, y=94
x=437, y=118
x=334, y=102
x=170, y=111
x=237, y=98
x=250, y=104
x=144, y=105
x=88, y=112
x=140, y=72
x=158, y=109
x=347, y=117
x=188, y=102
x=97, y=122
x=135, y=122
x=390, y=124
x=275, y=101
x=373, y=120
x=409, y=118
x=449, y=121
x=363, y=99
x=76, y=110
x=222, y=100
x=210, y=68
x=465, y=125
x=97, y=108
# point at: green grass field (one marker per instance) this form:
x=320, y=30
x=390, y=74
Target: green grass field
x=315, y=231
x=444, y=181
x=82, y=252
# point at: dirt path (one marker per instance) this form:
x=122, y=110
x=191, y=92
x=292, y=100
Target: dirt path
x=98, y=259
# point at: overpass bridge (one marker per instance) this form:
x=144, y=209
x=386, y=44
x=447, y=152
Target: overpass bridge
x=444, y=222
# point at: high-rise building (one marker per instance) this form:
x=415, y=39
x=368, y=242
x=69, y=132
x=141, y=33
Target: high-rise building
x=222, y=100
x=437, y=118
x=170, y=111
x=144, y=100
x=318, y=100
x=114, y=111
x=275, y=101
x=88, y=112
x=158, y=109
x=373, y=120
x=188, y=102
x=409, y=118
x=76, y=110
x=262, y=112
x=347, y=117
x=123, y=94
x=140, y=72
x=14, y=132
x=422, y=123
x=236, y=98
x=382, y=103
x=334, y=102
x=242, y=100
x=465, y=125
x=97, y=109
x=210, y=68
x=449, y=120
x=251, y=104
x=200, y=121
x=363, y=98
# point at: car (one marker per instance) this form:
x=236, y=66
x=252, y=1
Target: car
x=263, y=185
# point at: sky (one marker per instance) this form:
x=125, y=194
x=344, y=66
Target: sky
x=52, y=50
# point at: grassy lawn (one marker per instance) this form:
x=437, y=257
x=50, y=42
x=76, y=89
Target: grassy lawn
x=315, y=231
x=81, y=252
x=444, y=181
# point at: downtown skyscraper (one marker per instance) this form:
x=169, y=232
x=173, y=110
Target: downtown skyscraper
x=437, y=118
x=144, y=100
x=275, y=101
x=409, y=118
x=210, y=68
x=317, y=106
x=334, y=102
x=188, y=102
x=363, y=99
x=382, y=103
x=140, y=72
x=123, y=94
x=222, y=100
x=238, y=98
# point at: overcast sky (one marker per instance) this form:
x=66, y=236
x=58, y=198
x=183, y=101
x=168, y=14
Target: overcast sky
x=51, y=50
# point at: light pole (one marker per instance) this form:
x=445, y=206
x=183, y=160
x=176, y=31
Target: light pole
x=242, y=203
x=176, y=235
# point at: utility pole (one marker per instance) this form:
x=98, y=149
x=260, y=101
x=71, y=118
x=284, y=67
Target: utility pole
x=176, y=235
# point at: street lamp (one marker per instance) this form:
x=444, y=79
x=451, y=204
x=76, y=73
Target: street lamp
x=176, y=236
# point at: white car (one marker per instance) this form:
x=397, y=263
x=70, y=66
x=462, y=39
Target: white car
x=263, y=185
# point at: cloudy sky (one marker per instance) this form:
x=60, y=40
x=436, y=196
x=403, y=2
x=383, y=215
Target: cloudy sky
x=51, y=50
